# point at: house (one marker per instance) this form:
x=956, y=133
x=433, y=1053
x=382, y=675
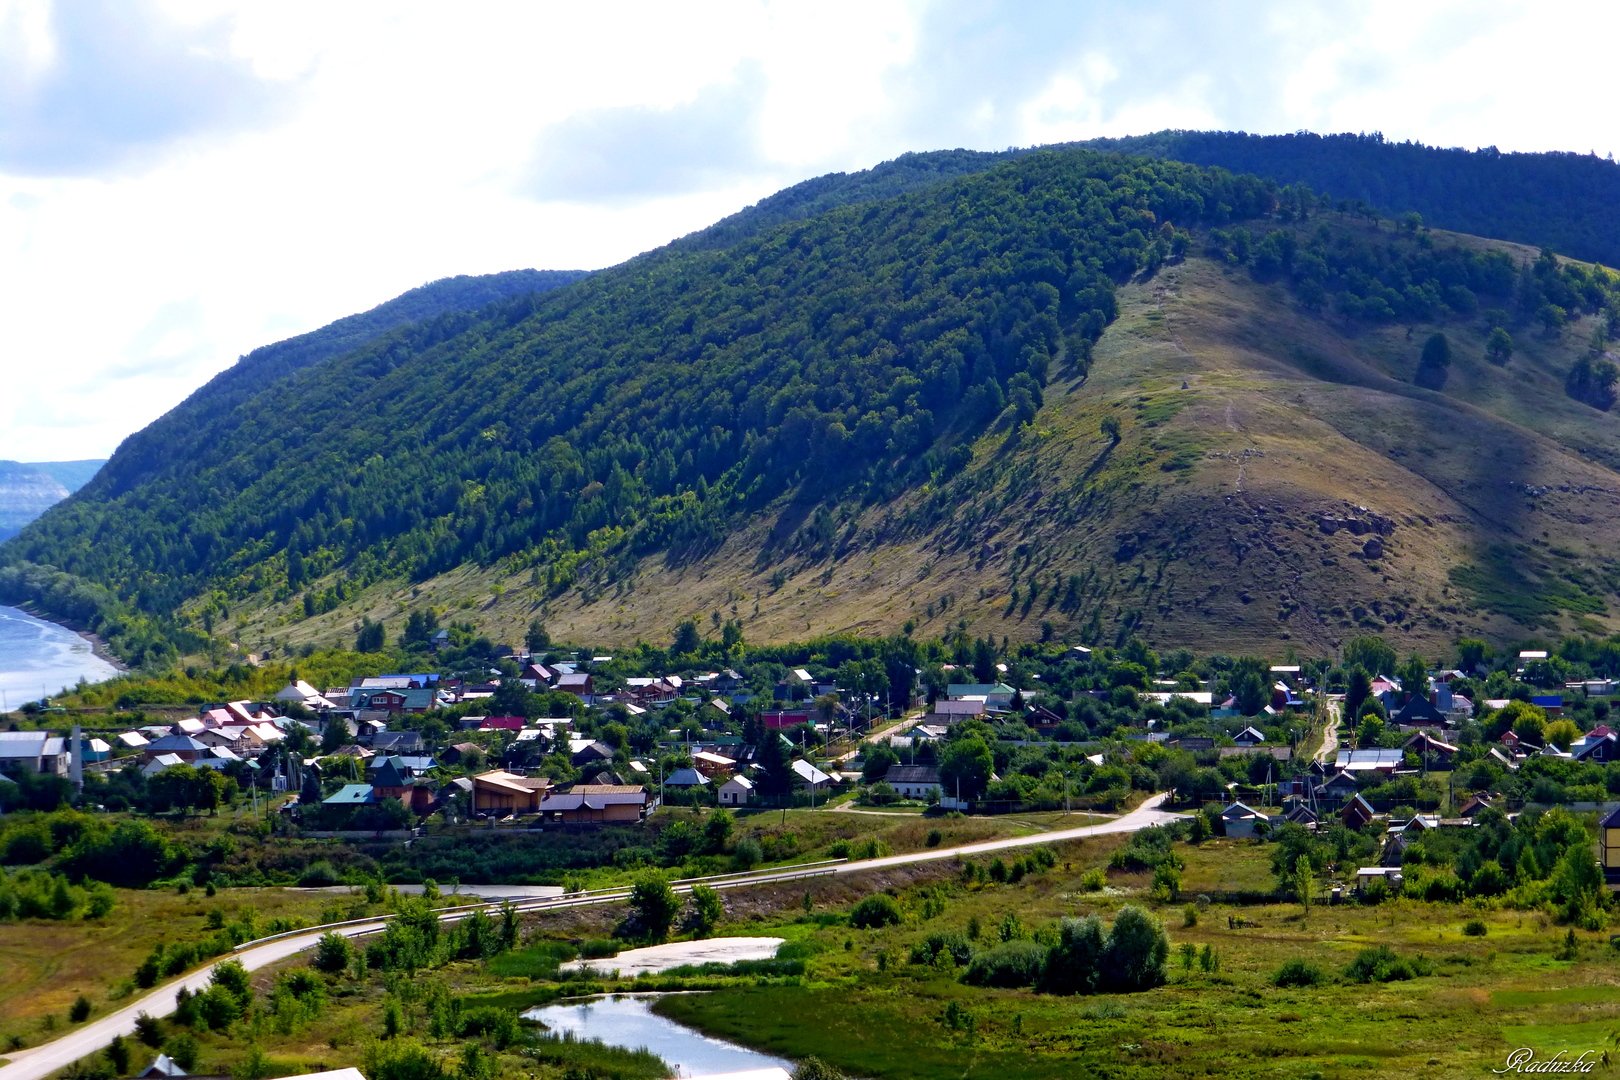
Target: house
x=782, y=719
x=1432, y=752
x=397, y=742
x=1377, y=760
x=351, y=795
x=163, y=1068
x=1239, y=820
x=183, y=746
x=390, y=702
x=595, y=804
x=130, y=740
x=1609, y=847
x=737, y=791
x=580, y=684
x=1302, y=815
x=810, y=776
x=1502, y=758
x=1552, y=703
x=1249, y=736
x=712, y=765
x=34, y=752
x=1594, y=747
x=1340, y=786
x=1474, y=805
x=392, y=778
x=686, y=780
x=951, y=712
x=1390, y=876
x=158, y=764
x=583, y=752
x=914, y=781
x=1358, y=812
x=499, y=792
x=997, y=697
x=503, y=723
x=1419, y=711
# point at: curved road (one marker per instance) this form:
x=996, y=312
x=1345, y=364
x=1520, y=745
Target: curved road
x=40, y=1061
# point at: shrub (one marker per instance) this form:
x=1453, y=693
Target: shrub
x=1474, y=928
x=1093, y=880
x=1382, y=964
x=1137, y=951
x=654, y=906
x=79, y=1011
x=942, y=943
x=332, y=953
x=182, y=1050
x=746, y=854
x=1010, y=964
x=318, y=874
x=1299, y=973
x=875, y=912
x=1073, y=964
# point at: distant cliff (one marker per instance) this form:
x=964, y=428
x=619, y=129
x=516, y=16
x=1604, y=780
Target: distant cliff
x=27, y=490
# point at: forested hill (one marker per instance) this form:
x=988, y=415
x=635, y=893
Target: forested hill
x=1564, y=201
x=1070, y=392
x=642, y=408
x=193, y=422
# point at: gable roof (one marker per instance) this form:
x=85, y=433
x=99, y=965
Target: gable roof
x=685, y=778
x=1356, y=760
x=911, y=774
x=1240, y=812
x=808, y=772
x=1612, y=821
x=350, y=795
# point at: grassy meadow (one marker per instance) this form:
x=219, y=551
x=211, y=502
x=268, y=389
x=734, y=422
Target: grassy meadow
x=45, y=965
x=866, y=1009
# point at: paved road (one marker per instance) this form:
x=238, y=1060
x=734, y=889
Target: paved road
x=40, y=1061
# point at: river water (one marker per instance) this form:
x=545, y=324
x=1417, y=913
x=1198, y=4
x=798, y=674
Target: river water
x=38, y=658
x=630, y=1022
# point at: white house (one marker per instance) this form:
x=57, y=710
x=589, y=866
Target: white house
x=914, y=781
x=738, y=791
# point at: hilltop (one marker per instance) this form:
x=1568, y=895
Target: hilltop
x=1060, y=392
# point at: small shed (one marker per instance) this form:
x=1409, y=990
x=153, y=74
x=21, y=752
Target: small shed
x=737, y=791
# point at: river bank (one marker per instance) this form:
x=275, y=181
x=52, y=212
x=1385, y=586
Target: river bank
x=39, y=658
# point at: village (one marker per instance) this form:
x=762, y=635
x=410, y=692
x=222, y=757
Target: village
x=564, y=740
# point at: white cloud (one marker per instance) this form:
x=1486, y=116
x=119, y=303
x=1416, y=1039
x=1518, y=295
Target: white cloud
x=326, y=157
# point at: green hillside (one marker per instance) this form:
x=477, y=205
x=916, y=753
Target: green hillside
x=1084, y=390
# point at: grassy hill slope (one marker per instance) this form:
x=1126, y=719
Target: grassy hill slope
x=1279, y=480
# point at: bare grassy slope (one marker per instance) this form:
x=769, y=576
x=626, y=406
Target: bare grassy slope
x=1278, y=481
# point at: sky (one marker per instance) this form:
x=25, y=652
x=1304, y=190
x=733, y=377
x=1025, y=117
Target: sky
x=182, y=181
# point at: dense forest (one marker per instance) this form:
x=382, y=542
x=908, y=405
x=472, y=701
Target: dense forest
x=1564, y=201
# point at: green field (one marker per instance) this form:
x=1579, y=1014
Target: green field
x=866, y=1009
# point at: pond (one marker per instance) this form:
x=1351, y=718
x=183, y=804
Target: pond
x=628, y=1021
